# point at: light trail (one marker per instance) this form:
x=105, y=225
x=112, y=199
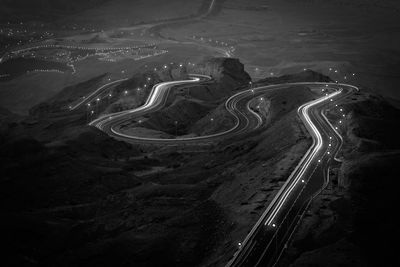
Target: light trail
x=317, y=146
x=269, y=216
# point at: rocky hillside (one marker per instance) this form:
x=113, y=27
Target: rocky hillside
x=72, y=196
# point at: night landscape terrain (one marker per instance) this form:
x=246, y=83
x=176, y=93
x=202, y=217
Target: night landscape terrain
x=199, y=133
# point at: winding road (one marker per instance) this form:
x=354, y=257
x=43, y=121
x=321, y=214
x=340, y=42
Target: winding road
x=267, y=240
x=269, y=236
x=237, y=105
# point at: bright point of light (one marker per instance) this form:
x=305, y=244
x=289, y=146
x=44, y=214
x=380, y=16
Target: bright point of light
x=330, y=69
x=98, y=99
x=340, y=121
x=239, y=244
x=341, y=109
x=336, y=128
x=330, y=137
x=330, y=144
x=354, y=74
x=331, y=99
x=165, y=66
x=273, y=225
x=319, y=160
x=302, y=181
x=125, y=92
x=336, y=71
x=92, y=112
x=328, y=152
x=88, y=104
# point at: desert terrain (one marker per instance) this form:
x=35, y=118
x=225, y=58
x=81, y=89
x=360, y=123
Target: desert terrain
x=71, y=195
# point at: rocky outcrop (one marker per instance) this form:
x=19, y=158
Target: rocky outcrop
x=227, y=72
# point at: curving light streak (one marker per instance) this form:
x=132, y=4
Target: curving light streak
x=317, y=145
x=157, y=90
